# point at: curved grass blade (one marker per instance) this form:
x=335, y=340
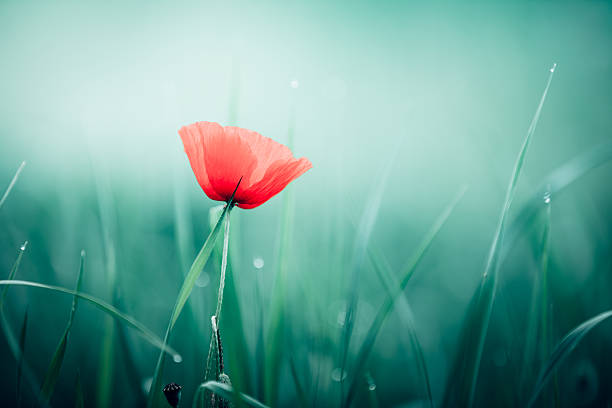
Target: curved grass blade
x=12, y=183
x=226, y=391
x=394, y=292
x=22, y=340
x=364, y=231
x=185, y=291
x=462, y=378
x=142, y=330
x=562, y=350
x=383, y=271
x=557, y=181
x=55, y=366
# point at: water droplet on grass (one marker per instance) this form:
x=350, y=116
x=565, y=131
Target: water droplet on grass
x=338, y=375
x=552, y=69
x=24, y=246
x=177, y=358
x=258, y=262
x=372, y=387
x=203, y=280
x=547, y=197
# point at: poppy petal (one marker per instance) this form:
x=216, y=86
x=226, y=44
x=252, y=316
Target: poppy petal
x=228, y=158
x=276, y=178
x=193, y=140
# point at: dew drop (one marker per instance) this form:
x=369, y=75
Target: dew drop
x=552, y=69
x=294, y=84
x=338, y=375
x=258, y=262
x=547, y=197
x=177, y=358
x=372, y=387
x=203, y=280
x=24, y=246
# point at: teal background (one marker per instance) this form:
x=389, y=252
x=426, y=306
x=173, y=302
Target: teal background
x=92, y=95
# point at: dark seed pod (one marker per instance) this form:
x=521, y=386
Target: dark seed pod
x=172, y=392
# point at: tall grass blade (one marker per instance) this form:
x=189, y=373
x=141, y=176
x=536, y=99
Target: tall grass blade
x=185, y=291
x=298, y=386
x=406, y=273
x=274, y=345
x=14, y=344
x=463, y=376
x=557, y=181
x=364, y=231
x=227, y=392
x=562, y=350
x=145, y=333
x=55, y=366
x=22, y=342
x=383, y=271
x=12, y=183
x=537, y=337
x=79, y=398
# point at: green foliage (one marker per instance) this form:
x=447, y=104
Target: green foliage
x=53, y=371
x=463, y=376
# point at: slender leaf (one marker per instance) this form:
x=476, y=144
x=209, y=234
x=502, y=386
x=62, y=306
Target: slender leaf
x=79, y=398
x=298, y=386
x=145, y=333
x=556, y=182
x=14, y=344
x=185, y=291
x=364, y=231
x=13, y=272
x=226, y=391
x=406, y=273
x=384, y=274
x=12, y=183
x=274, y=345
x=463, y=376
x=55, y=366
x=563, y=349
x=22, y=341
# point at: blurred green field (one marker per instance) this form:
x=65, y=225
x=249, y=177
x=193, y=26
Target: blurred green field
x=399, y=106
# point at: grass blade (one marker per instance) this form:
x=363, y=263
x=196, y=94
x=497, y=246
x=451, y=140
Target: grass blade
x=14, y=344
x=227, y=392
x=12, y=273
x=563, y=349
x=557, y=181
x=185, y=291
x=364, y=231
x=298, y=386
x=274, y=345
x=22, y=340
x=55, y=366
x=462, y=378
x=406, y=273
x=142, y=330
x=12, y=183
x=79, y=398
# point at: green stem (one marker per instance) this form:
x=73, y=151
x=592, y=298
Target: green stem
x=220, y=293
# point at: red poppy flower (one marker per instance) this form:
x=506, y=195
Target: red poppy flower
x=221, y=157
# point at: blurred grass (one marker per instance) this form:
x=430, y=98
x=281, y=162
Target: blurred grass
x=53, y=371
x=442, y=88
